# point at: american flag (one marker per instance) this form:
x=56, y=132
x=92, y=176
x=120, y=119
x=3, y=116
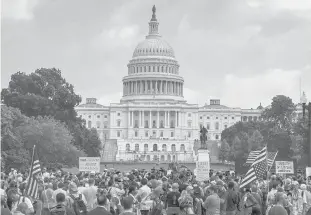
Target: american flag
x=32, y=187
x=258, y=168
x=253, y=155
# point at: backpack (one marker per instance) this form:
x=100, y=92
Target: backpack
x=156, y=209
x=78, y=205
x=58, y=210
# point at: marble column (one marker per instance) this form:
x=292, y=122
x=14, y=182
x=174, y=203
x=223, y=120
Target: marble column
x=165, y=119
x=158, y=119
x=150, y=124
x=161, y=84
x=143, y=118
x=176, y=119
x=132, y=124
x=168, y=119
x=146, y=86
x=129, y=119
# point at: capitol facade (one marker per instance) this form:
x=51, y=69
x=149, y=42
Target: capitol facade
x=153, y=121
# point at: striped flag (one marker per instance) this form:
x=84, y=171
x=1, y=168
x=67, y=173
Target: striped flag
x=253, y=154
x=32, y=186
x=258, y=168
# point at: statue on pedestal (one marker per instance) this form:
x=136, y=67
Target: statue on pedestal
x=203, y=138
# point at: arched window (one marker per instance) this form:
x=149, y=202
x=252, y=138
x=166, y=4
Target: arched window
x=155, y=147
x=162, y=158
x=119, y=123
x=89, y=124
x=168, y=157
x=174, y=158
x=97, y=124
x=127, y=147
x=173, y=148
x=250, y=118
x=148, y=157
x=155, y=157
x=146, y=148
x=161, y=124
x=164, y=149
x=182, y=147
x=244, y=118
x=137, y=147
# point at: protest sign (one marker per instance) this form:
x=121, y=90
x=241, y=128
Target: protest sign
x=203, y=165
x=89, y=164
x=284, y=167
x=308, y=171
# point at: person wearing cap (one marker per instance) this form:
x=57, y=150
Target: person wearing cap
x=212, y=202
x=171, y=204
x=73, y=193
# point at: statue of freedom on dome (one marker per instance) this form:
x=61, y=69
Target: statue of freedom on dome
x=203, y=138
x=154, y=9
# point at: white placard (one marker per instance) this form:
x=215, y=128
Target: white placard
x=202, y=170
x=89, y=164
x=308, y=171
x=284, y=167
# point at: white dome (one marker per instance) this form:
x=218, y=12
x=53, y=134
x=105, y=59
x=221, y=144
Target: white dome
x=155, y=46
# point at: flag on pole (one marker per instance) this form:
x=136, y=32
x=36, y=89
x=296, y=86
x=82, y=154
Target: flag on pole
x=35, y=170
x=258, y=168
x=253, y=155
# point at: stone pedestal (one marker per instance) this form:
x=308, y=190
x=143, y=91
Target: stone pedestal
x=203, y=165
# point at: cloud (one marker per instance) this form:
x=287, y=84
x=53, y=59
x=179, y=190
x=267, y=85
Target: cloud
x=119, y=36
x=110, y=98
x=18, y=9
x=262, y=87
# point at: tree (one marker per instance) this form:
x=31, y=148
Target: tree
x=224, y=151
x=280, y=112
x=46, y=93
x=51, y=137
x=94, y=143
x=281, y=142
x=237, y=149
x=256, y=141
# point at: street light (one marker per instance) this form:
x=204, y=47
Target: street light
x=307, y=107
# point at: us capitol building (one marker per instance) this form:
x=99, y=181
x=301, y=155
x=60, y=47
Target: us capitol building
x=153, y=121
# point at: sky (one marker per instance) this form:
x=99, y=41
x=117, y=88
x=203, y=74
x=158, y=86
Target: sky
x=243, y=52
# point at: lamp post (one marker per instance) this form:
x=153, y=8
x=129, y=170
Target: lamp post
x=307, y=107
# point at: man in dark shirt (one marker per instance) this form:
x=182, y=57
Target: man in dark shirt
x=172, y=204
x=231, y=199
x=60, y=208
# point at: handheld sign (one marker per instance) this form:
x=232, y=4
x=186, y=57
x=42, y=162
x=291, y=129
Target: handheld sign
x=284, y=167
x=89, y=164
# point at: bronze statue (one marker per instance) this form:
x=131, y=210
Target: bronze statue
x=203, y=137
x=154, y=9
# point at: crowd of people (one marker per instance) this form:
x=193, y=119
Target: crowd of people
x=153, y=192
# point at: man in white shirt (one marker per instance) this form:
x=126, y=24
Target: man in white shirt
x=90, y=194
x=19, y=199
x=144, y=187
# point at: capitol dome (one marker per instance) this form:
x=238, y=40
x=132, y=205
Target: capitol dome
x=153, y=71
x=154, y=46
